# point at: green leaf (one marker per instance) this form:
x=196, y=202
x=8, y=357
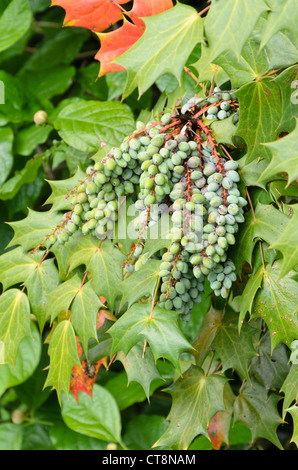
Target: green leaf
x=63, y=356
x=6, y=152
x=16, y=266
x=14, y=23
x=276, y=302
x=89, y=124
x=207, y=69
x=59, y=299
x=258, y=411
x=14, y=322
x=64, y=438
x=229, y=23
x=235, y=349
x=288, y=88
x=283, y=15
x=287, y=244
x=196, y=398
x=27, y=360
x=61, y=188
x=142, y=431
x=293, y=410
x=103, y=263
x=158, y=327
x=168, y=38
x=11, y=436
x=29, y=137
x=140, y=283
x=31, y=230
x=140, y=367
x=97, y=417
x=266, y=224
x=27, y=175
x=290, y=388
x=47, y=83
x=84, y=311
x=284, y=158
x=259, y=110
x=125, y=394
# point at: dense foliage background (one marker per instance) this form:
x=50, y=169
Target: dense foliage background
x=248, y=356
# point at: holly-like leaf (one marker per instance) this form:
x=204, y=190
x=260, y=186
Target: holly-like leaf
x=248, y=295
x=84, y=311
x=258, y=411
x=115, y=43
x=63, y=356
x=284, y=158
x=14, y=322
x=235, y=350
x=96, y=15
x=140, y=367
x=103, y=263
x=206, y=69
x=259, y=110
x=290, y=388
x=196, y=399
x=282, y=16
x=87, y=125
x=287, y=244
x=31, y=230
x=276, y=302
x=178, y=30
x=266, y=224
x=288, y=88
x=16, y=266
x=229, y=23
x=60, y=188
x=14, y=22
x=293, y=410
x=61, y=297
x=158, y=327
x=140, y=283
x=97, y=417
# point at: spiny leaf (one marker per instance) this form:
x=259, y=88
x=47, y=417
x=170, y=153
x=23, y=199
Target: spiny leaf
x=248, y=295
x=16, y=266
x=258, y=411
x=235, y=349
x=286, y=81
x=277, y=304
x=63, y=356
x=196, y=398
x=84, y=311
x=283, y=15
x=229, y=23
x=61, y=188
x=259, y=109
x=287, y=244
x=293, y=410
x=96, y=15
x=158, y=327
x=140, y=366
x=284, y=158
x=14, y=322
x=178, y=30
x=103, y=263
x=61, y=297
x=266, y=223
x=290, y=388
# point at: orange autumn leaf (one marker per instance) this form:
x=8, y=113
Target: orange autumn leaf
x=218, y=429
x=96, y=15
x=114, y=44
x=84, y=376
x=99, y=15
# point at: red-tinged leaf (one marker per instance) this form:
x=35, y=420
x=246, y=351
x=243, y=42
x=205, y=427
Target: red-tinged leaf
x=144, y=8
x=216, y=431
x=83, y=377
x=102, y=316
x=114, y=44
x=96, y=15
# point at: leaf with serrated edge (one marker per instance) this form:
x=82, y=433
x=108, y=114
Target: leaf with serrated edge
x=235, y=350
x=140, y=366
x=61, y=297
x=158, y=327
x=276, y=302
x=258, y=411
x=60, y=188
x=63, y=356
x=290, y=388
x=254, y=283
x=14, y=322
x=177, y=30
x=230, y=22
x=283, y=15
x=84, y=310
x=196, y=398
x=284, y=158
